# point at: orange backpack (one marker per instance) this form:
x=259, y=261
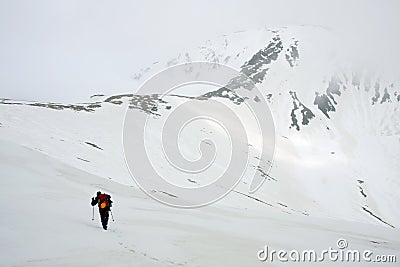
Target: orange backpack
x=104, y=201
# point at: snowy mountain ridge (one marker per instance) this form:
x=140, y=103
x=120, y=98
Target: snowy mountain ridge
x=328, y=127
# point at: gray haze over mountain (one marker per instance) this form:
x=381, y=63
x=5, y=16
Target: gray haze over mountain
x=68, y=50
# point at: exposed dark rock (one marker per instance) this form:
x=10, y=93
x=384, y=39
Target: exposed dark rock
x=306, y=113
x=362, y=191
x=377, y=93
x=324, y=104
x=168, y=194
x=283, y=205
x=117, y=97
x=292, y=54
x=93, y=145
x=293, y=116
x=375, y=216
x=333, y=88
x=62, y=106
x=85, y=160
x=94, y=106
x=256, y=68
x=226, y=93
x=385, y=97
x=98, y=95
x=263, y=174
x=254, y=198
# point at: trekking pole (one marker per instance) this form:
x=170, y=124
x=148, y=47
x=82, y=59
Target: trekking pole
x=93, y=214
x=112, y=217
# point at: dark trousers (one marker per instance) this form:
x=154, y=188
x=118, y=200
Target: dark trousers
x=104, y=214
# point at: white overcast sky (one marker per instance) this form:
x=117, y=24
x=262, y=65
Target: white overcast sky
x=67, y=50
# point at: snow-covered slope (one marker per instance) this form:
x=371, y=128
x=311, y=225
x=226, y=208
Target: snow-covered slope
x=337, y=151
x=46, y=221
